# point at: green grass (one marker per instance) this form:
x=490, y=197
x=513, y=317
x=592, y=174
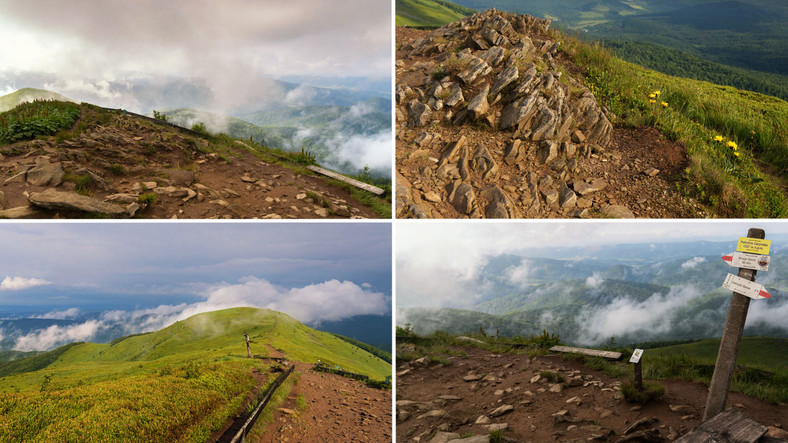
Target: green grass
x=83, y=183
x=429, y=12
x=38, y=118
x=176, y=384
x=762, y=352
x=14, y=99
x=751, y=185
x=148, y=198
x=651, y=392
x=381, y=206
x=440, y=345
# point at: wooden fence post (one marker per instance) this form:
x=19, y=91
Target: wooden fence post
x=636, y=356
x=729, y=345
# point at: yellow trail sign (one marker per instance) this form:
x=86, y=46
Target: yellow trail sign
x=754, y=245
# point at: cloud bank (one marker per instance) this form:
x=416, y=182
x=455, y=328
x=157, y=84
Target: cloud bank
x=103, y=50
x=18, y=283
x=625, y=315
x=693, y=262
x=327, y=301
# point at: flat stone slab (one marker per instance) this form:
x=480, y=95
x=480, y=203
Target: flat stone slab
x=71, y=201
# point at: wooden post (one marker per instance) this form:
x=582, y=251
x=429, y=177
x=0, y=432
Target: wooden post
x=638, y=377
x=729, y=345
x=636, y=356
x=248, y=349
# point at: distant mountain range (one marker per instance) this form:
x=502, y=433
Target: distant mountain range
x=589, y=300
x=741, y=43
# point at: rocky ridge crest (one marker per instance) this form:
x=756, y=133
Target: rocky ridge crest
x=492, y=123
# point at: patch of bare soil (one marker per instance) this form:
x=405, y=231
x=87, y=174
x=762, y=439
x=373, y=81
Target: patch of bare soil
x=484, y=391
x=146, y=170
x=337, y=409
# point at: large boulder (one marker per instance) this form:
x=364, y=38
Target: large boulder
x=71, y=201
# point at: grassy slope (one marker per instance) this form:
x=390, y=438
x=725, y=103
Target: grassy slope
x=178, y=383
x=753, y=351
x=10, y=101
x=429, y=12
x=751, y=185
x=683, y=64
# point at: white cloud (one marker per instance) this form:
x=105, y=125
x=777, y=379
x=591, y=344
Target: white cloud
x=363, y=150
x=19, y=283
x=56, y=335
x=693, y=262
x=771, y=314
x=624, y=315
x=518, y=275
x=328, y=301
x=230, y=45
x=595, y=280
x=66, y=314
x=300, y=96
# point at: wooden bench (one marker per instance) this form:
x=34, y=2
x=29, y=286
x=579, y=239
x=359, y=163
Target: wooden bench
x=590, y=352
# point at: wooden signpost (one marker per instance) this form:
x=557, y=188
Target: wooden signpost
x=754, y=243
x=248, y=349
x=638, y=368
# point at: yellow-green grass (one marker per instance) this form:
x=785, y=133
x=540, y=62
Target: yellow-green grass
x=429, y=12
x=14, y=99
x=144, y=408
x=751, y=185
x=762, y=352
x=176, y=384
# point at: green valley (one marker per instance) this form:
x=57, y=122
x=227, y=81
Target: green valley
x=429, y=12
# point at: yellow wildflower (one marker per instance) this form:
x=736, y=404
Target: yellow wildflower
x=735, y=153
x=732, y=144
x=718, y=138
x=664, y=104
x=652, y=101
x=657, y=93
x=652, y=95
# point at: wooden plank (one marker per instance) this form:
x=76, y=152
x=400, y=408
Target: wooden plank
x=361, y=185
x=591, y=352
x=730, y=426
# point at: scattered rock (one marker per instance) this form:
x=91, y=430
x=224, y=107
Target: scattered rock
x=682, y=409
x=501, y=410
x=615, y=211
x=46, y=174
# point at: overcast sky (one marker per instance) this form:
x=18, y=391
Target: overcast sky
x=85, y=49
x=312, y=271
x=438, y=262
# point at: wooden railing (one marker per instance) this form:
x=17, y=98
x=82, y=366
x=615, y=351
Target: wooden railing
x=240, y=435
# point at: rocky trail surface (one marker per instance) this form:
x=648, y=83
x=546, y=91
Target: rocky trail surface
x=128, y=167
x=338, y=409
x=485, y=392
x=493, y=121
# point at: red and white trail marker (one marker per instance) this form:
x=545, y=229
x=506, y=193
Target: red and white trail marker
x=745, y=287
x=745, y=260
